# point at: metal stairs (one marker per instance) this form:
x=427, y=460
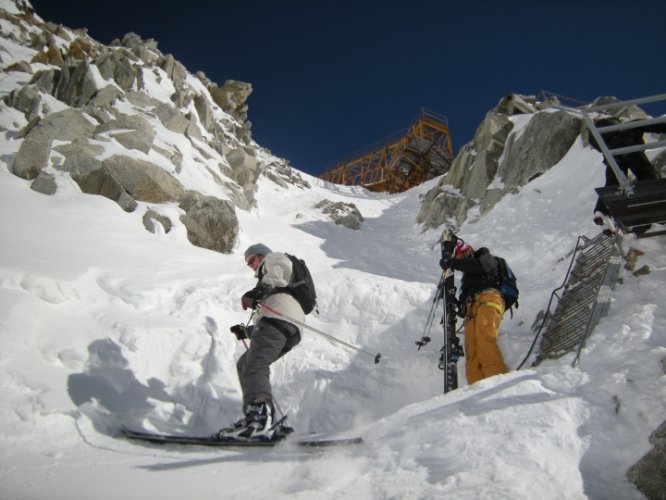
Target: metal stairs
x=582, y=300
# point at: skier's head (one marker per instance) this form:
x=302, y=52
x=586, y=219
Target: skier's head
x=257, y=249
x=463, y=249
x=255, y=254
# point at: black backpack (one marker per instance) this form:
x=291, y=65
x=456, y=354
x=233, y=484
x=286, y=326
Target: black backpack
x=505, y=281
x=301, y=286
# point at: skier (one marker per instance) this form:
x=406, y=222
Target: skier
x=483, y=308
x=270, y=338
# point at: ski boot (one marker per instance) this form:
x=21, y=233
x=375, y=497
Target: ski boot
x=257, y=424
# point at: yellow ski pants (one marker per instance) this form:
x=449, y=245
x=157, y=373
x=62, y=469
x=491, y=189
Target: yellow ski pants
x=482, y=322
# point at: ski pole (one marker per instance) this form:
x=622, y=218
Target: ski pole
x=425, y=338
x=323, y=334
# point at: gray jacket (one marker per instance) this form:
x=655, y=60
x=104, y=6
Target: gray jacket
x=275, y=271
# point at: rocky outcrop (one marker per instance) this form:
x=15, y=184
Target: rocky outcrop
x=143, y=180
x=232, y=97
x=131, y=131
x=501, y=158
x=152, y=220
x=344, y=214
x=32, y=158
x=649, y=473
x=93, y=112
x=211, y=223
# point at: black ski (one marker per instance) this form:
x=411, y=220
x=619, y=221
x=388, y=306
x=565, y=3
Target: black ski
x=155, y=437
x=451, y=350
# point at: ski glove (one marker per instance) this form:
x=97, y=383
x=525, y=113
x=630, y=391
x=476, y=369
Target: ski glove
x=239, y=331
x=253, y=297
x=446, y=263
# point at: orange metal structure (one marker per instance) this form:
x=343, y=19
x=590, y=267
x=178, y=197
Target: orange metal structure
x=401, y=161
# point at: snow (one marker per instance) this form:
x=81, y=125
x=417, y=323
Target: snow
x=104, y=324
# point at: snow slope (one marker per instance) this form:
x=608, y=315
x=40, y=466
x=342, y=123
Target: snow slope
x=106, y=324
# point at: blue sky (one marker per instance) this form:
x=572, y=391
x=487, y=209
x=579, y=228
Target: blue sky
x=330, y=78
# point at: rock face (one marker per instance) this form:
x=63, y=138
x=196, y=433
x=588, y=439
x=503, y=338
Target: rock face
x=129, y=123
x=649, y=473
x=502, y=157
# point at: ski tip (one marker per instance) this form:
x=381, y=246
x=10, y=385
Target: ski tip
x=326, y=443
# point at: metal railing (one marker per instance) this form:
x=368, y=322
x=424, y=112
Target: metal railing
x=580, y=301
x=597, y=133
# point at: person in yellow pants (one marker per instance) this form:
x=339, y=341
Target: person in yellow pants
x=483, y=307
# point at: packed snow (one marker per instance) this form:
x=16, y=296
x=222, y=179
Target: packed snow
x=106, y=324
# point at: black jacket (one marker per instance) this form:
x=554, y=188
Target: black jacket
x=479, y=273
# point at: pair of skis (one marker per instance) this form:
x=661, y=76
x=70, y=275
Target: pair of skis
x=446, y=291
x=451, y=350
x=215, y=441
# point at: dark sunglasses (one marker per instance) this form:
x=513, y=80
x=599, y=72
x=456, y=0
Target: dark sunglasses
x=250, y=262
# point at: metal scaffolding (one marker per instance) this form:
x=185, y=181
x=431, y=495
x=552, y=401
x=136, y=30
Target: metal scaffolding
x=402, y=160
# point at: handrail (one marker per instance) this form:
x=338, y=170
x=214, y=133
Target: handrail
x=588, y=324
x=620, y=104
x=554, y=294
x=568, y=314
x=609, y=155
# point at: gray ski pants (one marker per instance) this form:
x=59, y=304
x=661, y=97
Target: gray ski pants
x=270, y=340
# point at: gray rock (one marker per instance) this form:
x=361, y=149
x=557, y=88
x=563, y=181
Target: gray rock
x=76, y=85
x=104, y=98
x=141, y=99
x=649, y=473
x=120, y=178
x=231, y=97
x=344, y=214
x=205, y=112
x=80, y=157
x=118, y=66
x=44, y=183
x=172, y=118
x=210, y=222
x=498, y=161
x=26, y=99
x=21, y=67
x=32, y=157
x=151, y=218
x=67, y=125
x=104, y=183
x=45, y=80
x=144, y=181
x=134, y=131
x=244, y=166
x=175, y=70
x=146, y=50
x=540, y=146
